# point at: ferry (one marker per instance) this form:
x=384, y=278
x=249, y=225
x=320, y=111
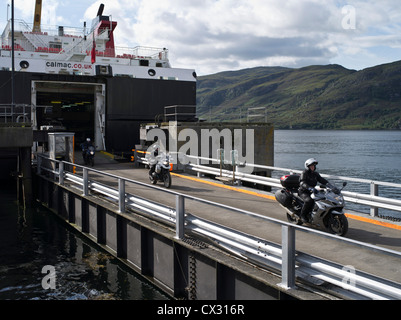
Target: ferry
x=77, y=80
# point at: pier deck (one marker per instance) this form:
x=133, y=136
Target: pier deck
x=371, y=230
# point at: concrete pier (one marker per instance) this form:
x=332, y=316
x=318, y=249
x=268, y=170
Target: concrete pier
x=191, y=268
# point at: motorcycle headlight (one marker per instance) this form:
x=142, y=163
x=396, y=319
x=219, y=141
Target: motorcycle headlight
x=92, y=153
x=339, y=198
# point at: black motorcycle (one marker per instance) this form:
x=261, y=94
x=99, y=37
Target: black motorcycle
x=328, y=212
x=89, y=156
x=160, y=170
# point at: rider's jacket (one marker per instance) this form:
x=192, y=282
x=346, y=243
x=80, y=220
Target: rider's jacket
x=85, y=145
x=309, y=179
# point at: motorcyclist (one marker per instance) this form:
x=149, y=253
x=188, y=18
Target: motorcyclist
x=151, y=156
x=308, y=181
x=85, y=145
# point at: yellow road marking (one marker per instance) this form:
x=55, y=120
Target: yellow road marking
x=225, y=187
x=377, y=222
x=351, y=216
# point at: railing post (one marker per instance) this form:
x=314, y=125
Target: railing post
x=121, y=195
x=61, y=172
x=198, y=174
x=374, y=191
x=85, y=181
x=39, y=165
x=288, y=257
x=179, y=217
x=136, y=158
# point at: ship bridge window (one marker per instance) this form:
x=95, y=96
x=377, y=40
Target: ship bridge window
x=55, y=47
x=144, y=63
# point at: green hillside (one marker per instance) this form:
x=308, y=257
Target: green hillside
x=314, y=97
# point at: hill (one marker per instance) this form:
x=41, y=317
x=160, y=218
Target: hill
x=314, y=97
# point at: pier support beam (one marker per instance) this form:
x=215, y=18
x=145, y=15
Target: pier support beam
x=26, y=175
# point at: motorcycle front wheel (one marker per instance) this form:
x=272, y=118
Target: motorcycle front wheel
x=167, y=180
x=152, y=180
x=338, y=224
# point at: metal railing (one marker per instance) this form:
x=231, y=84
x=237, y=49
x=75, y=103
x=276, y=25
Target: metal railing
x=17, y=113
x=372, y=200
x=281, y=258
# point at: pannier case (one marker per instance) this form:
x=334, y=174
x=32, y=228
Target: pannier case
x=284, y=197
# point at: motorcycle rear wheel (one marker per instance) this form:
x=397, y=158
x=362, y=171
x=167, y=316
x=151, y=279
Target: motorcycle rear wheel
x=294, y=220
x=338, y=224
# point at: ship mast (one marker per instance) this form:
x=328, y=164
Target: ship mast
x=37, y=16
x=12, y=58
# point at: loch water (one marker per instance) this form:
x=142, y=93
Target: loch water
x=372, y=155
x=34, y=240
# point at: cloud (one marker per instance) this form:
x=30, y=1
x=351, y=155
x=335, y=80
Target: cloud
x=26, y=9
x=239, y=33
x=217, y=35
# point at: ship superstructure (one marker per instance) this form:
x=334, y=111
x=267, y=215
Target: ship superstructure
x=79, y=79
x=83, y=51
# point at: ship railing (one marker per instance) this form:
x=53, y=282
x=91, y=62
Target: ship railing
x=141, y=52
x=49, y=30
x=45, y=30
x=233, y=175
x=15, y=114
x=117, y=52
x=35, y=41
x=33, y=37
x=296, y=267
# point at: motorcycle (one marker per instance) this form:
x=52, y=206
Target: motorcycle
x=328, y=209
x=160, y=170
x=89, y=156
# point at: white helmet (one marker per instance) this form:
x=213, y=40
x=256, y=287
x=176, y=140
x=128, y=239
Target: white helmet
x=310, y=162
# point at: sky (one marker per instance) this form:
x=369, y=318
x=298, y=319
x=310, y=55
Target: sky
x=221, y=35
